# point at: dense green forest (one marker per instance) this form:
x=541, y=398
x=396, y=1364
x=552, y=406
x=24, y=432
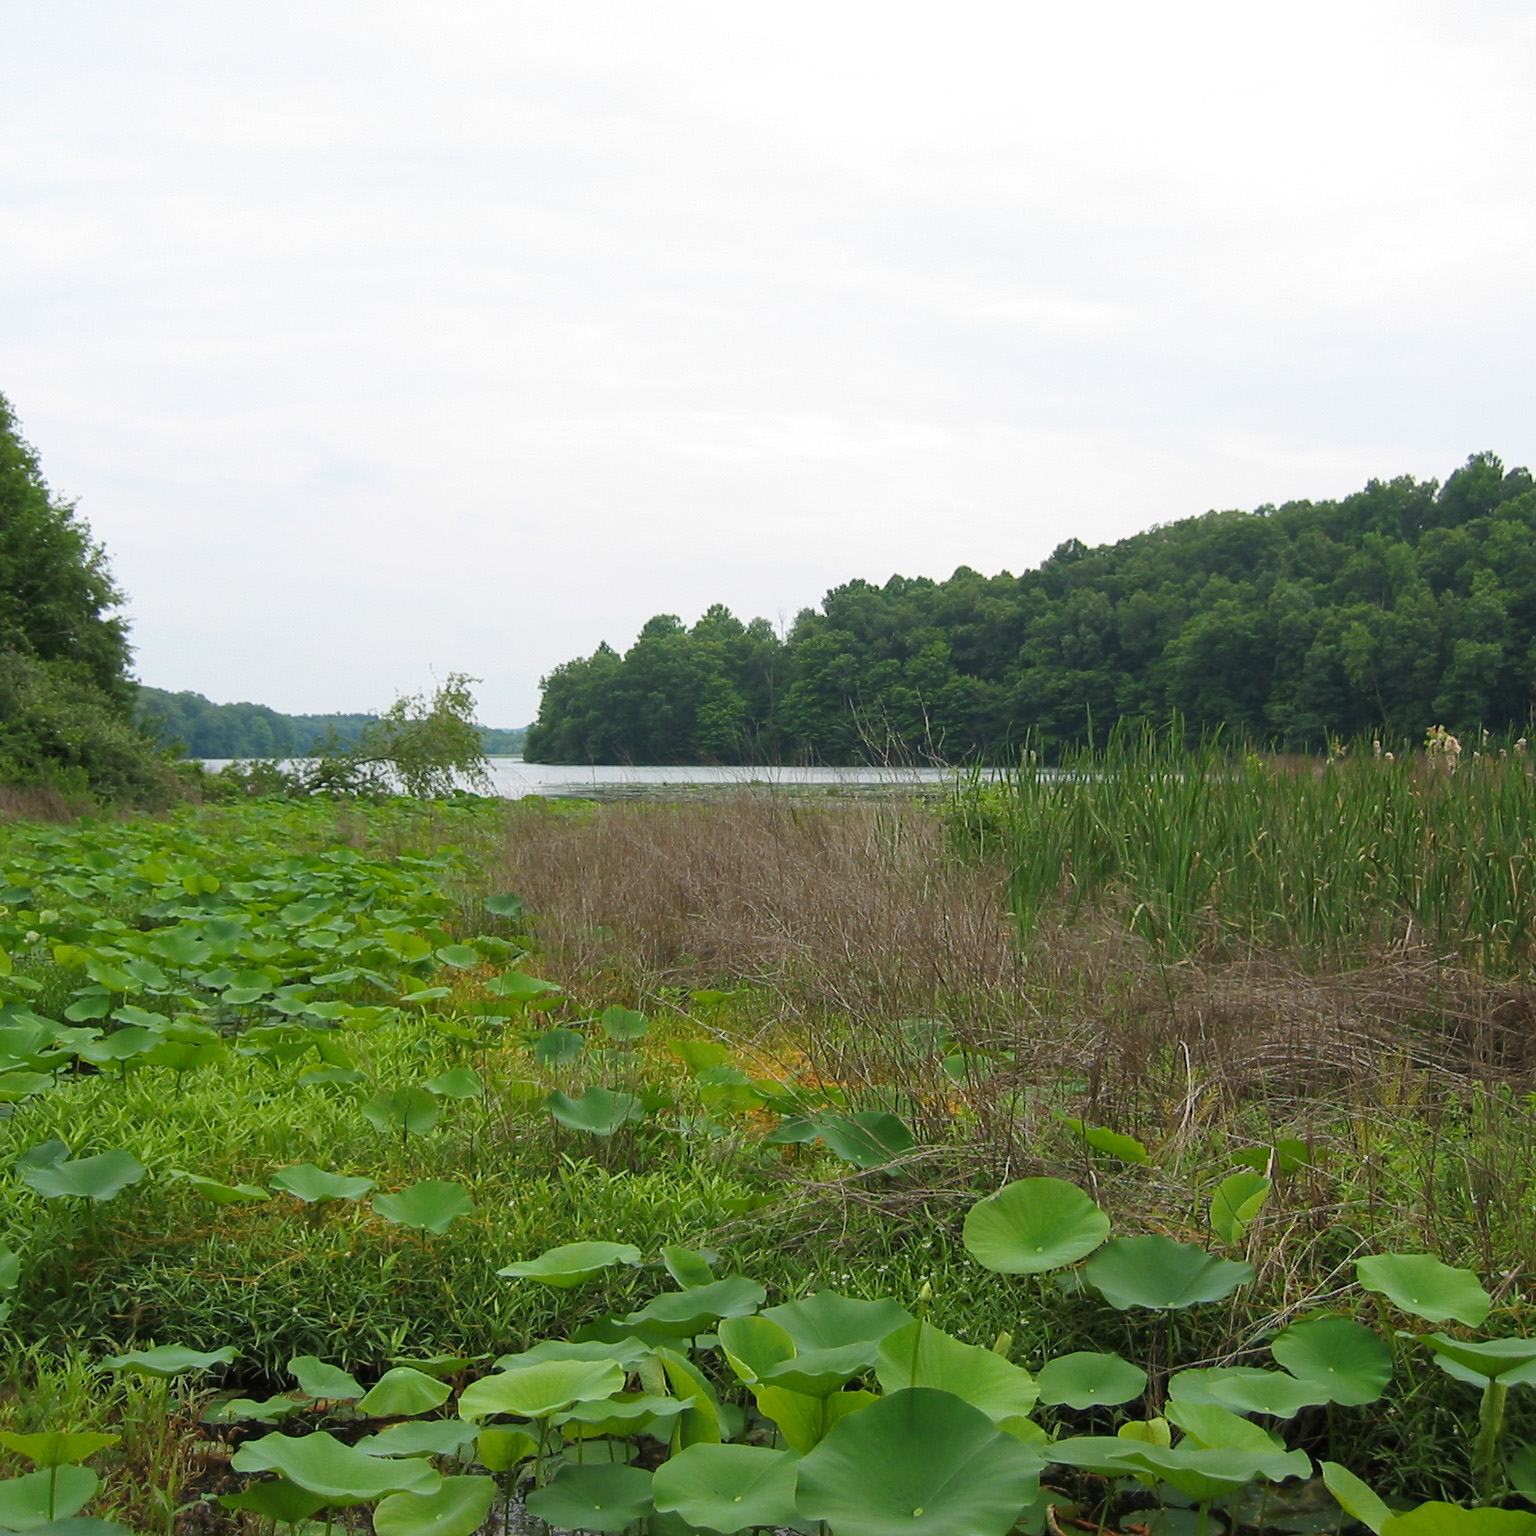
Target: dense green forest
x=66, y=699
x=1406, y=605
x=200, y=728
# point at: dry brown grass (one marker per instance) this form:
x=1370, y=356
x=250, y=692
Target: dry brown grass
x=40, y=803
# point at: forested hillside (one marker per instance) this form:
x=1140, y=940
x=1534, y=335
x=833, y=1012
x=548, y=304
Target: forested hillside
x=65, y=695
x=201, y=728
x=1406, y=605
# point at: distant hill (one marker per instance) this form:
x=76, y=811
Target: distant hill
x=205, y=729
x=1406, y=605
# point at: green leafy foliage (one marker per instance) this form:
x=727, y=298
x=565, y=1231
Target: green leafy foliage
x=1033, y=1225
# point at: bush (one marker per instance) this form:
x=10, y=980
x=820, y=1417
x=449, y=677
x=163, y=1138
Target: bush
x=58, y=730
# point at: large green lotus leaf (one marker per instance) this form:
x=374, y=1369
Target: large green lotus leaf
x=460, y=1083
x=57, y=1447
x=279, y=1501
x=500, y=1448
x=306, y=1182
x=628, y=1352
x=754, y=1345
x=1488, y=1359
x=700, y=1423
x=325, y=1383
x=1201, y=1472
x=1424, y=1286
x=598, y=1111
x=56, y=1494
x=458, y=1507
x=438, y=1365
x=432, y=1205
x=728, y=1487
x=572, y=1263
x=341, y=1473
x=271, y=1410
x=1155, y=1271
x=818, y=1372
x=1357, y=1499
x=628, y=1413
x=410, y=1111
x=1453, y=1520
x=921, y=1355
x=1245, y=1389
x=1346, y=1357
x=169, y=1360
x=598, y=1498
x=557, y=1048
x=624, y=1023
x=1033, y=1225
x=460, y=956
x=81, y=1525
x=402, y=1392
x=868, y=1139
x=425, y=1437
x=828, y=1320
x=539, y=1390
x=221, y=1194
x=101, y=1178
x=804, y=1420
x=1216, y=1428
x=919, y=1461
x=690, y=1266
x=682, y=1314
x=1087, y=1379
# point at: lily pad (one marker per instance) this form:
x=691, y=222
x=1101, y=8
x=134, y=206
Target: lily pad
x=402, y=1392
x=537, y=1391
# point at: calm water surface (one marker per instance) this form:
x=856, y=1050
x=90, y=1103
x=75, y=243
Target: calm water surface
x=513, y=778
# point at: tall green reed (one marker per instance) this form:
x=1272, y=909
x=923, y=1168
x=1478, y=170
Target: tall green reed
x=1210, y=845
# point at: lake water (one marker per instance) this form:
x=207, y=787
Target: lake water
x=513, y=778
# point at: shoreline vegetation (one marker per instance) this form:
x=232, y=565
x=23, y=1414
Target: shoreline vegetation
x=1404, y=606
x=362, y=1098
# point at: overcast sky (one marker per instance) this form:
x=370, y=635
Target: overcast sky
x=380, y=340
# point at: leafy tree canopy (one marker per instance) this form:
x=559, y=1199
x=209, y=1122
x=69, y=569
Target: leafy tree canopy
x=1405, y=605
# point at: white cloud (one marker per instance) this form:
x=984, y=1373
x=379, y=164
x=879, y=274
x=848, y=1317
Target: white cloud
x=385, y=337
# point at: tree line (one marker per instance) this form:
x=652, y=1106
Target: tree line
x=196, y=727
x=1406, y=605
